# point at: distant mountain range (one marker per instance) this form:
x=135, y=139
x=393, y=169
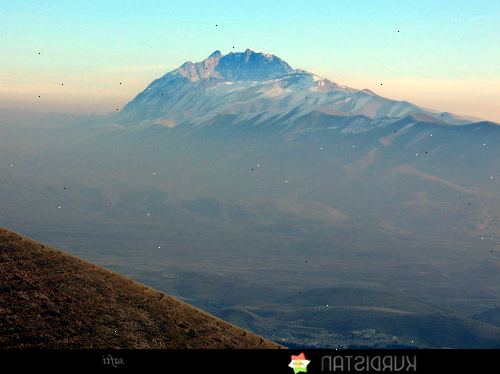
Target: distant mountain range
x=262, y=89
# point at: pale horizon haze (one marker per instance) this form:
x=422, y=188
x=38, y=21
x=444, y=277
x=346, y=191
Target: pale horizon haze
x=93, y=57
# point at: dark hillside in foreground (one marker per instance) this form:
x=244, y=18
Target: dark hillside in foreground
x=49, y=299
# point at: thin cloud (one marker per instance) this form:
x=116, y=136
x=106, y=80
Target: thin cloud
x=406, y=169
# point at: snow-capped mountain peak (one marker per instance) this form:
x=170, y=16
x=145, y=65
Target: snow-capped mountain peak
x=246, y=84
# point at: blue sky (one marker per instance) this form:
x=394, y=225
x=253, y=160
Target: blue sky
x=446, y=54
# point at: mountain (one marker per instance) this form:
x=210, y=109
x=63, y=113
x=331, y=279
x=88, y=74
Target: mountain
x=262, y=194
x=261, y=88
x=49, y=299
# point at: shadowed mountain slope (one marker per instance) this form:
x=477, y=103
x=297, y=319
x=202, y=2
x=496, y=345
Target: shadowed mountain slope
x=50, y=299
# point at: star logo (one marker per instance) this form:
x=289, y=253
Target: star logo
x=299, y=363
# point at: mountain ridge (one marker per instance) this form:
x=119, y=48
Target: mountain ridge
x=235, y=67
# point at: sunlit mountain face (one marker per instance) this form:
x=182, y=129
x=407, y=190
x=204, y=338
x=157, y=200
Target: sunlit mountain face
x=310, y=212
